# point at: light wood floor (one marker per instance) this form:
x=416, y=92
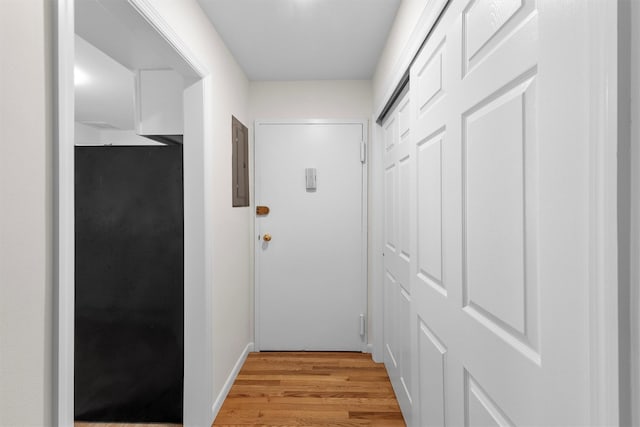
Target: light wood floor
x=310, y=389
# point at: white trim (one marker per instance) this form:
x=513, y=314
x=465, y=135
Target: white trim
x=635, y=214
x=217, y=404
x=64, y=294
x=209, y=209
x=364, y=261
x=365, y=235
x=603, y=33
x=376, y=249
x=146, y=9
x=428, y=17
x=198, y=333
x=254, y=240
x=369, y=349
x=362, y=122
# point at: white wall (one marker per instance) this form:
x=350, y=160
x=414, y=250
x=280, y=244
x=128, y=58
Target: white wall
x=25, y=214
x=320, y=99
x=406, y=19
x=231, y=250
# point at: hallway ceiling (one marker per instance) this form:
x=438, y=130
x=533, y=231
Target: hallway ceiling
x=304, y=39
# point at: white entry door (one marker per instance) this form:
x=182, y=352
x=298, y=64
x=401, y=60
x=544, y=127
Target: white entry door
x=488, y=222
x=310, y=250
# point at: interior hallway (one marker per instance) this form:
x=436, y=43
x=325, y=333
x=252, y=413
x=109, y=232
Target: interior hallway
x=555, y=91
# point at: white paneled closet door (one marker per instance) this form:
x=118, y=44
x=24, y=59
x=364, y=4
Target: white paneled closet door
x=486, y=223
x=398, y=172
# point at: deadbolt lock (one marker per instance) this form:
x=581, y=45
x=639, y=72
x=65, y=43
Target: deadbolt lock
x=262, y=210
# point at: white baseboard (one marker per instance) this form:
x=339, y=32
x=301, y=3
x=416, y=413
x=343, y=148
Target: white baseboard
x=375, y=356
x=217, y=404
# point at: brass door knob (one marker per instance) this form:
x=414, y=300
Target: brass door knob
x=267, y=237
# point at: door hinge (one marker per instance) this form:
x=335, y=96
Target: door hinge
x=363, y=320
x=363, y=152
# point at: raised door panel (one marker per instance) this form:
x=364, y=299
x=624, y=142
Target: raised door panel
x=480, y=409
x=404, y=166
x=487, y=24
x=405, y=344
x=431, y=365
x=499, y=204
x=429, y=217
x=391, y=209
x=404, y=120
x=390, y=311
x=390, y=134
x=483, y=18
x=404, y=158
x=391, y=355
x=429, y=78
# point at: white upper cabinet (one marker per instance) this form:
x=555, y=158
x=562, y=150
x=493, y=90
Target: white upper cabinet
x=159, y=102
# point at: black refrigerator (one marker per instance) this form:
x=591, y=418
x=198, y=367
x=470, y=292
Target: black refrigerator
x=129, y=289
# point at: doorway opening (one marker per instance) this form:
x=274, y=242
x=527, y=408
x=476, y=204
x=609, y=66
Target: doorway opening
x=136, y=37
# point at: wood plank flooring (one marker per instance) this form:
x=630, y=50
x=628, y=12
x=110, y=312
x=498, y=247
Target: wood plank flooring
x=310, y=389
